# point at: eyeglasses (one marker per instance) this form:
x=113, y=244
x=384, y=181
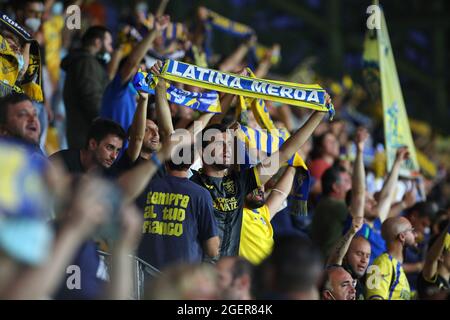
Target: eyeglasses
x=353, y=283
x=409, y=230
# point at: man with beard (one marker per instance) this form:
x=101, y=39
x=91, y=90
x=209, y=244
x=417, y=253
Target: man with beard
x=86, y=79
x=257, y=232
x=18, y=119
x=228, y=187
x=103, y=144
x=386, y=279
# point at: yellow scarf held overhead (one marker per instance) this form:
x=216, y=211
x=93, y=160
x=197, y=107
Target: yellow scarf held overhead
x=306, y=96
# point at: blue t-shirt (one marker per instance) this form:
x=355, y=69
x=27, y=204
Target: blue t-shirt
x=86, y=276
x=178, y=219
x=119, y=102
x=373, y=235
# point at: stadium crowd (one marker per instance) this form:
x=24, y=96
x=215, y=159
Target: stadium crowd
x=90, y=181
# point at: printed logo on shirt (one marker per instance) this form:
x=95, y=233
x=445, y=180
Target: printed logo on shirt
x=169, y=222
x=225, y=204
x=229, y=187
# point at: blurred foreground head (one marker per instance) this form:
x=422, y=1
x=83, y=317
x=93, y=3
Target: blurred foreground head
x=184, y=282
x=292, y=271
x=25, y=236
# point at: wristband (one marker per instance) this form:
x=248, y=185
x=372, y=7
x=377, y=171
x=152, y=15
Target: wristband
x=331, y=111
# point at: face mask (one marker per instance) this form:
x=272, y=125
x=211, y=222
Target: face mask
x=104, y=57
x=57, y=9
x=33, y=24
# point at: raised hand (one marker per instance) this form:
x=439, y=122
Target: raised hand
x=131, y=224
x=402, y=154
x=409, y=199
x=162, y=22
x=357, y=224
x=361, y=137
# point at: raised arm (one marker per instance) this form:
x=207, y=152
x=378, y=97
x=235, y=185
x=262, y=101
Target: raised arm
x=387, y=192
x=264, y=66
x=358, y=180
x=137, y=129
x=431, y=262
x=138, y=52
x=409, y=199
x=225, y=104
x=161, y=8
x=341, y=248
x=83, y=217
x=236, y=57
x=164, y=118
x=121, y=285
x=134, y=181
x=270, y=165
x=281, y=191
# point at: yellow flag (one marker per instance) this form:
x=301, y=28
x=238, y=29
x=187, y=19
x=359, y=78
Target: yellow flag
x=378, y=54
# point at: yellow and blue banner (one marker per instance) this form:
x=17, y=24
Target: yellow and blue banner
x=378, y=54
x=226, y=25
x=302, y=95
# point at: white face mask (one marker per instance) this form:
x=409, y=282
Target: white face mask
x=57, y=9
x=33, y=24
x=105, y=57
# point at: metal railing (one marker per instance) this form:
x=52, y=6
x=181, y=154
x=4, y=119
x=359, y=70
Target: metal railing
x=142, y=272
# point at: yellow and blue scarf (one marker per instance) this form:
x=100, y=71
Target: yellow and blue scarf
x=226, y=25
x=31, y=82
x=306, y=96
x=204, y=102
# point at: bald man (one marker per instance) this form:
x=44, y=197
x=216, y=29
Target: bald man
x=386, y=279
x=339, y=285
x=353, y=254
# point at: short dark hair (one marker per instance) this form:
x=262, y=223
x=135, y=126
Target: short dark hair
x=183, y=166
x=8, y=100
x=330, y=177
x=217, y=126
x=100, y=128
x=241, y=267
x=295, y=264
x=92, y=34
x=423, y=209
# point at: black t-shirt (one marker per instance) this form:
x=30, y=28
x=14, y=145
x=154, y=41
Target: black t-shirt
x=72, y=162
x=228, y=194
x=125, y=164
x=426, y=288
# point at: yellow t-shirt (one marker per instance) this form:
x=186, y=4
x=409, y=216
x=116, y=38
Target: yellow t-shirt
x=387, y=280
x=256, y=235
x=53, y=41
